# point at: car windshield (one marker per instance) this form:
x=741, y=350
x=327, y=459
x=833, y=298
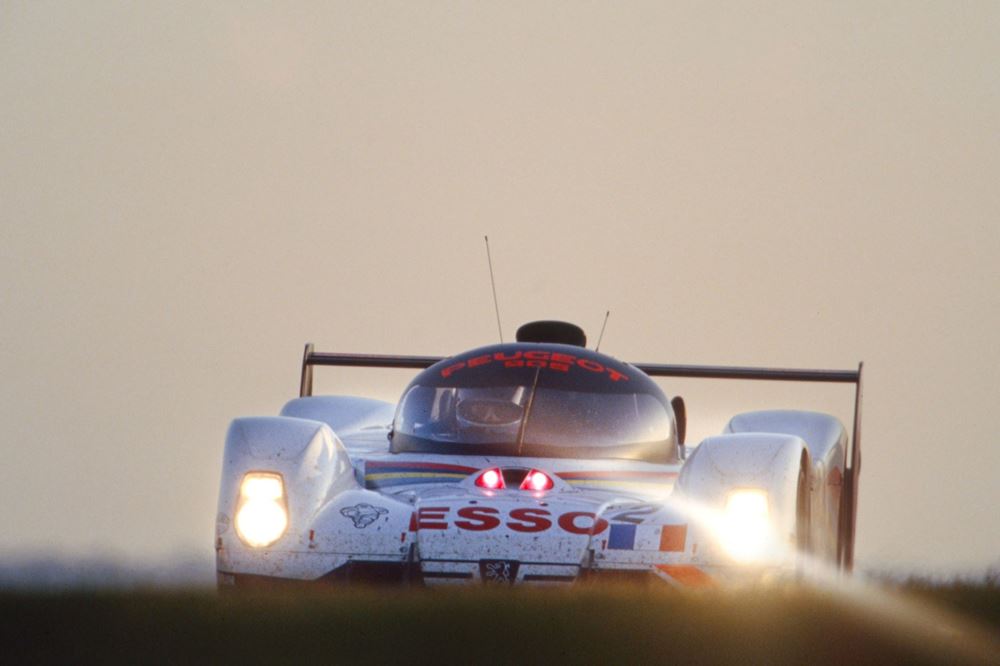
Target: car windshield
x=545, y=414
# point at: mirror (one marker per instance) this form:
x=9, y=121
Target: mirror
x=680, y=413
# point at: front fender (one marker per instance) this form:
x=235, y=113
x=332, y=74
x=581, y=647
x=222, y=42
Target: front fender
x=310, y=459
x=764, y=461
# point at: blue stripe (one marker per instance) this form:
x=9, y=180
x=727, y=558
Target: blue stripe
x=407, y=481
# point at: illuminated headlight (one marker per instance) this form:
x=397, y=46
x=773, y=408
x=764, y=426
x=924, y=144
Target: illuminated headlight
x=746, y=527
x=261, y=514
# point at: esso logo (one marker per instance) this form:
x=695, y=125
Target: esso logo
x=484, y=518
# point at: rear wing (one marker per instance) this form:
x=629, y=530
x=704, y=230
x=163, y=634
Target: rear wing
x=852, y=471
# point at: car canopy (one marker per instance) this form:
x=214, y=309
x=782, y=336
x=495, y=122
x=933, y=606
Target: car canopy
x=537, y=400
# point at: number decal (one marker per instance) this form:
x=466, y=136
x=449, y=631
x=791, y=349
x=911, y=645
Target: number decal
x=635, y=514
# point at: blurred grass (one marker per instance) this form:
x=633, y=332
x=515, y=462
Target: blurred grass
x=976, y=599
x=609, y=625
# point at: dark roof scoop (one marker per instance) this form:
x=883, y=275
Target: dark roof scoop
x=558, y=332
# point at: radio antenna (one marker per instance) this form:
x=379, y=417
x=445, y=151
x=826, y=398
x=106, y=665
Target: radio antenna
x=493, y=284
x=603, y=326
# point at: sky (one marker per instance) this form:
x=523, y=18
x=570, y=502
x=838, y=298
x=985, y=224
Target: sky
x=191, y=191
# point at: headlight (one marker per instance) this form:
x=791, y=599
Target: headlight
x=746, y=526
x=261, y=514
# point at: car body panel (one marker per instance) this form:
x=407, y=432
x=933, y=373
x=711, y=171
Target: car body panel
x=355, y=505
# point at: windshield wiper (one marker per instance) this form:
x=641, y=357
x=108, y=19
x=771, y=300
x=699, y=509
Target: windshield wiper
x=527, y=412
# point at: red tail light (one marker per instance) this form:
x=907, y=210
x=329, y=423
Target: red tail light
x=536, y=480
x=491, y=479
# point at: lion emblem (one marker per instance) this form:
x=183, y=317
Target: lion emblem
x=363, y=515
x=498, y=571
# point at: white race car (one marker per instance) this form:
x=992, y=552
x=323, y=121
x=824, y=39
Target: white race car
x=537, y=461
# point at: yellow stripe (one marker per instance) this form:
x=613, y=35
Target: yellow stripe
x=413, y=475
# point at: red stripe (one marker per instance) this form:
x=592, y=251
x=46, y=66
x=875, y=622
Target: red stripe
x=686, y=574
x=673, y=538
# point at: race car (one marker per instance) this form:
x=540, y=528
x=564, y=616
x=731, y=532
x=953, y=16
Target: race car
x=537, y=461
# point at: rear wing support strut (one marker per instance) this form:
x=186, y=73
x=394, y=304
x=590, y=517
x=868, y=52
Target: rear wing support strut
x=852, y=471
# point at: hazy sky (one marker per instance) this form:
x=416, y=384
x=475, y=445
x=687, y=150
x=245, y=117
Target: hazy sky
x=191, y=191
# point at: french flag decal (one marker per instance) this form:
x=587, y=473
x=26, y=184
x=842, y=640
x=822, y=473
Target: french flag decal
x=664, y=538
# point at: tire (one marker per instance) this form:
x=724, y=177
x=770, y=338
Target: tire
x=803, y=510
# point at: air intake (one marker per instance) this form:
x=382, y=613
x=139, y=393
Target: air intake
x=559, y=332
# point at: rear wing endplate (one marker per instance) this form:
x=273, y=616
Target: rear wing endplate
x=852, y=471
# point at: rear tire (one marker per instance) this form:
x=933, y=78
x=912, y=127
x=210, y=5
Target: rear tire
x=803, y=510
